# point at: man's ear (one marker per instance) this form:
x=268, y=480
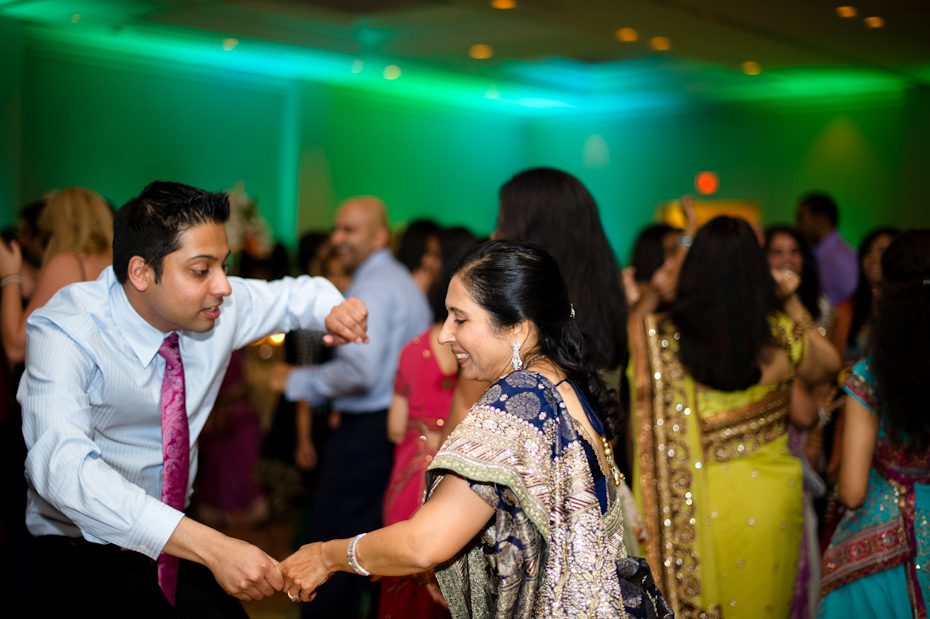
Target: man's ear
x=382, y=237
x=140, y=274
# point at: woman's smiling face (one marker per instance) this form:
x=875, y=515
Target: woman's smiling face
x=482, y=349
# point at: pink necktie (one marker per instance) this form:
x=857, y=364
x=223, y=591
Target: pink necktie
x=175, y=440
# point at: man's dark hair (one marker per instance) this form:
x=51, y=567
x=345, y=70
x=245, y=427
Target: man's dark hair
x=823, y=205
x=149, y=225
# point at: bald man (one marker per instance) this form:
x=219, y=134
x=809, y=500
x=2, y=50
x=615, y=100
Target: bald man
x=357, y=458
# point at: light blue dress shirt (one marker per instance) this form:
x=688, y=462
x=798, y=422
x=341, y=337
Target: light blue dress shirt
x=360, y=377
x=91, y=395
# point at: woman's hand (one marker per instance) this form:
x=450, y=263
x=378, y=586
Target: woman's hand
x=787, y=281
x=11, y=258
x=304, y=571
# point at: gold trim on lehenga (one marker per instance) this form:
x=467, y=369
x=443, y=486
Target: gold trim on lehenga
x=744, y=430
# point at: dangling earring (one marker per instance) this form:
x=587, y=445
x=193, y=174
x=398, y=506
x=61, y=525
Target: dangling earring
x=515, y=361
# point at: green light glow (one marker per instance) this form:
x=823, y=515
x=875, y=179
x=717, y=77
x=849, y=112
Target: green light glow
x=288, y=63
x=552, y=88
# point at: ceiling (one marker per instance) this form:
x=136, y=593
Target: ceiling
x=567, y=45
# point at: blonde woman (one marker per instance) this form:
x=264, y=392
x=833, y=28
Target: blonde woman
x=78, y=224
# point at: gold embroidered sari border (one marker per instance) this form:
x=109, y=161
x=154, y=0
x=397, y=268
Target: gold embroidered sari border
x=667, y=484
x=744, y=430
x=480, y=461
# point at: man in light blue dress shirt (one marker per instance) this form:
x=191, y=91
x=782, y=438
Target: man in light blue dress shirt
x=359, y=382
x=91, y=395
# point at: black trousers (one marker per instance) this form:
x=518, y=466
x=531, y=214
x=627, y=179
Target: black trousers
x=354, y=470
x=73, y=577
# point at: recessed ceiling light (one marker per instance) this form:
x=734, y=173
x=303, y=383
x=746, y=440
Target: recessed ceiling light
x=627, y=35
x=751, y=67
x=874, y=22
x=846, y=12
x=230, y=43
x=503, y=4
x=391, y=72
x=480, y=51
x=660, y=44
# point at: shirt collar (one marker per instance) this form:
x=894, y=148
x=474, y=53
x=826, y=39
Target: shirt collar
x=143, y=338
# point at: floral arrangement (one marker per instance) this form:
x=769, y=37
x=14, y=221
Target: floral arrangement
x=246, y=229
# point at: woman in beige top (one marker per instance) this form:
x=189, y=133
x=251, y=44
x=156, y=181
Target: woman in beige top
x=78, y=224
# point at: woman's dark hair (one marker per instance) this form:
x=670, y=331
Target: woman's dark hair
x=554, y=209
x=649, y=250
x=307, y=249
x=31, y=237
x=899, y=336
x=150, y=224
x=412, y=243
x=275, y=265
x=862, y=302
x=515, y=281
x=809, y=289
x=454, y=243
x=725, y=297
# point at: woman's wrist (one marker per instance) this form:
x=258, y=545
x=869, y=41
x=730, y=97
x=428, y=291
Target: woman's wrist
x=352, y=556
x=12, y=278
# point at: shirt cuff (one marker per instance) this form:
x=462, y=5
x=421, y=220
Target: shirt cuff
x=155, y=527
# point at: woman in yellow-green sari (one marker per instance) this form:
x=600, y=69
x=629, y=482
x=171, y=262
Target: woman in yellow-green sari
x=713, y=377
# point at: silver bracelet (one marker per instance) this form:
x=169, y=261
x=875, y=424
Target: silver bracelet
x=353, y=559
x=15, y=278
x=685, y=241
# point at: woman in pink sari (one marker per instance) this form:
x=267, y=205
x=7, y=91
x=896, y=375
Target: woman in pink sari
x=423, y=388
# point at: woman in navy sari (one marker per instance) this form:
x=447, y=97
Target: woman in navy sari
x=522, y=517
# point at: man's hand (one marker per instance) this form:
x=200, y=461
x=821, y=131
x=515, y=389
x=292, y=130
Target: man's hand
x=246, y=571
x=243, y=570
x=347, y=323
x=277, y=376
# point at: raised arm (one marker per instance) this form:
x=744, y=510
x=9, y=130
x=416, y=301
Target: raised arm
x=60, y=271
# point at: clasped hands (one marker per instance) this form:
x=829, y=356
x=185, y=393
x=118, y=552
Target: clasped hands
x=304, y=571
x=248, y=573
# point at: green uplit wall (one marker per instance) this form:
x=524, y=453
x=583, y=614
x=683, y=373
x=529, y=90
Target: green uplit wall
x=114, y=121
x=423, y=160
x=864, y=152
x=115, y=126
x=11, y=84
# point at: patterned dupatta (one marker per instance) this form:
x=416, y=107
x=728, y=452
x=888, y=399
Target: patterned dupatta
x=891, y=528
x=551, y=550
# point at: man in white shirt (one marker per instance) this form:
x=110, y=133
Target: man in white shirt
x=92, y=411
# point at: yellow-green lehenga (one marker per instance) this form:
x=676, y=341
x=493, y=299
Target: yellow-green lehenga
x=719, y=491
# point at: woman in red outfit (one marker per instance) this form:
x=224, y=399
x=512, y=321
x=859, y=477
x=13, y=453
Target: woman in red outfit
x=423, y=387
